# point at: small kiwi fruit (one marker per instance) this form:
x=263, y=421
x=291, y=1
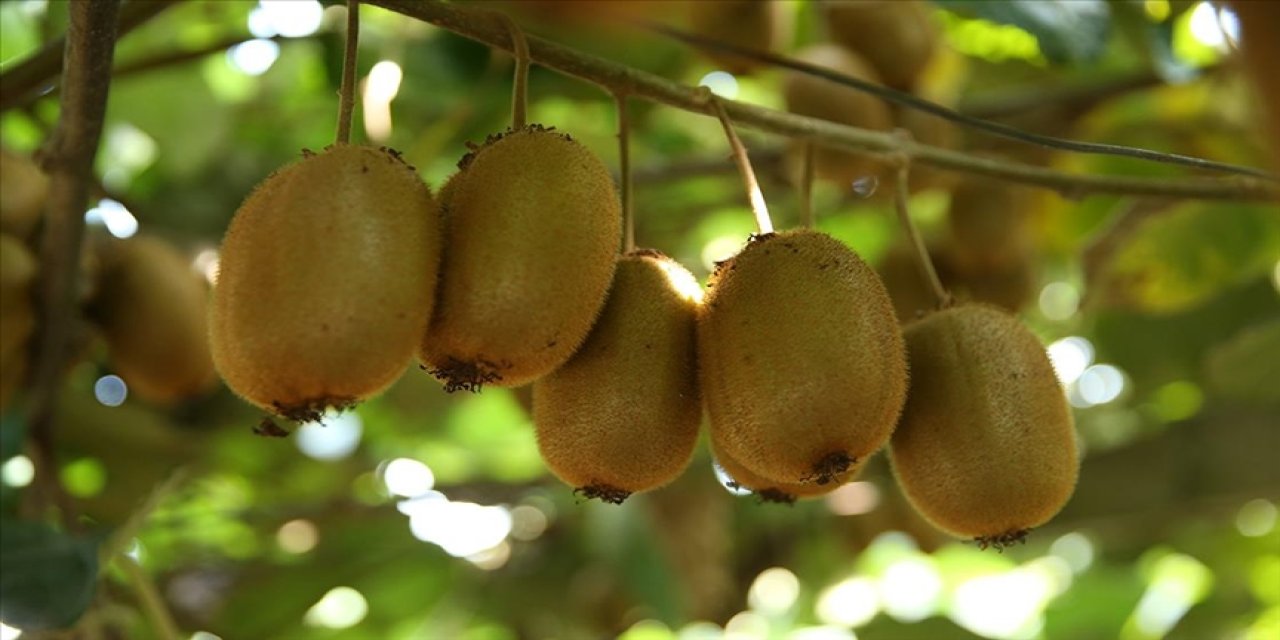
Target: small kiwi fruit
x=622, y=415
x=898, y=37
x=802, y=362
x=24, y=187
x=780, y=492
x=1260, y=48
x=985, y=448
x=989, y=223
x=752, y=24
x=533, y=231
x=817, y=97
x=152, y=308
x=326, y=280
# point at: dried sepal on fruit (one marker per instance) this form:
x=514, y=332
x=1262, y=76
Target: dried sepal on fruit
x=533, y=229
x=741, y=478
x=326, y=280
x=622, y=415
x=985, y=448
x=802, y=362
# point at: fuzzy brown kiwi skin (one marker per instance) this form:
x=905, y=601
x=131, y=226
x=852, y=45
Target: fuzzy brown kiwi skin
x=326, y=281
x=802, y=363
x=777, y=492
x=986, y=446
x=152, y=308
x=898, y=37
x=622, y=415
x=746, y=23
x=532, y=238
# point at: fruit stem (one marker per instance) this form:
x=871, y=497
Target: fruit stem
x=806, y=186
x=520, y=87
x=758, y=207
x=347, y=90
x=149, y=599
x=624, y=167
x=925, y=264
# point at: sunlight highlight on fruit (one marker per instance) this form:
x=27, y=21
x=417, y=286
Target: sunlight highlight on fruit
x=682, y=281
x=118, y=220
x=334, y=437
x=340, y=608
x=727, y=481
x=206, y=264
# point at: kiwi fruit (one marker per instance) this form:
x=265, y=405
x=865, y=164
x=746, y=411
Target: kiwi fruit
x=622, y=415
x=898, y=37
x=802, y=363
x=751, y=24
x=534, y=225
x=989, y=223
x=326, y=280
x=24, y=187
x=152, y=308
x=780, y=492
x=816, y=97
x=985, y=448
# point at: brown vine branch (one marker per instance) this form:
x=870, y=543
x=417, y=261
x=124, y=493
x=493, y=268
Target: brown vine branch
x=612, y=76
x=520, y=85
x=910, y=101
x=32, y=76
x=624, y=169
x=764, y=224
x=68, y=158
x=923, y=262
x=347, y=91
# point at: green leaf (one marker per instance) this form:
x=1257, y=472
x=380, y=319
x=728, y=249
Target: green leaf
x=1247, y=366
x=47, y=577
x=1067, y=30
x=1175, y=259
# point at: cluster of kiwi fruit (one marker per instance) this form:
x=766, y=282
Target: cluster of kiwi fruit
x=887, y=43
x=142, y=298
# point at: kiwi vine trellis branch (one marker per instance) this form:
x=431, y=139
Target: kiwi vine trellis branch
x=347, y=91
x=612, y=76
x=68, y=158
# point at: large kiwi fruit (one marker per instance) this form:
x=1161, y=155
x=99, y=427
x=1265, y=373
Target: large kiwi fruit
x=23, y=191
x=898, y=37
x=326, y=281
x=752, y=24
x=533, y=231
x=985, y=448
x=152, y=308
x=780, y=492
x=817, y=97
x=622, y=415
x=802, y=362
